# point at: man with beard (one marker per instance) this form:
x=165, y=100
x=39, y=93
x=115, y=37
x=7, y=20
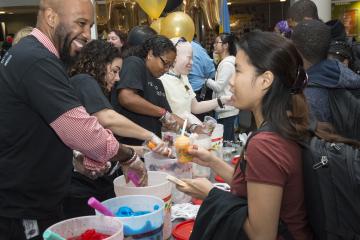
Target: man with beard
x=41, y=120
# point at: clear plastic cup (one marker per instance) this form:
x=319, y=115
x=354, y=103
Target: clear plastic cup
x=182, y=144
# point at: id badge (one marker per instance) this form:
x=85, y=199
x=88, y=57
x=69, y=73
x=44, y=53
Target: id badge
x=31, y=228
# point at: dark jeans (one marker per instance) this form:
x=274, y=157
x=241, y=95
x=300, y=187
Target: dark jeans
x=13, y=229
x=229, y=131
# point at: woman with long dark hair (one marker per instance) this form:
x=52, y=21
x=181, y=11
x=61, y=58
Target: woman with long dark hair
x=269, y=81
x=225, y=48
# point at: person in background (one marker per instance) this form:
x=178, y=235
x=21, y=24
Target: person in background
x=342, y=47
x=22, y=33
x=118, y=39
x=301, y=10
x=93, y=75
x=312, y=39
x=6, y=44
x=340, y=51
x=225, y=47
x=136, y=37
x=139, y=94
x=269, y=81
x=202, y=69
x=179, y=92
x=283, y=28
x=42, y=121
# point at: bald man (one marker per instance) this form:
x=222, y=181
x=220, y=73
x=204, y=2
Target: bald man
x=42, y=120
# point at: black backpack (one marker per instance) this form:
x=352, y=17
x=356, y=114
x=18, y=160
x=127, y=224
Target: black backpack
x=332, y=187
x=345, y=110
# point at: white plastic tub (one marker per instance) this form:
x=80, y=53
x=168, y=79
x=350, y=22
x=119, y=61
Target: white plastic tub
x=149, y=225
x=76, y=226
x=158, y=186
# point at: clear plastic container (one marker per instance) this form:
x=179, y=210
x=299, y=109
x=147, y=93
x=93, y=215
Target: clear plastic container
x=156, y=162
x=76, y=226
x=182, y=144
x=158, y=186
x=149, y=225
x=198, y=171
x=217, y=140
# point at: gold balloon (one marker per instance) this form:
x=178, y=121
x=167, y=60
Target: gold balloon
x=156, y=25
x=178, y=24
x=153, y=8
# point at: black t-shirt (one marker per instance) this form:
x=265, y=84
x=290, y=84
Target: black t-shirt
x=135, y=75
x=89, y=93
x=35, y=165
x=93, y=99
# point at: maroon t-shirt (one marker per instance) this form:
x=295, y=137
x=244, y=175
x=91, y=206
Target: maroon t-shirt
x=272, y=159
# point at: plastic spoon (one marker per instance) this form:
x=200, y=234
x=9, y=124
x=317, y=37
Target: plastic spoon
x=94, y=203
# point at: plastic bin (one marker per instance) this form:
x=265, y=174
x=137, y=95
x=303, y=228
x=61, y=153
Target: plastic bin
x=155, y=162
x=158, y=186
x=148, y=226
x=76, y=226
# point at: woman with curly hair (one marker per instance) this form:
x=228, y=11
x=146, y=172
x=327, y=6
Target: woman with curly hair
x=92, y=76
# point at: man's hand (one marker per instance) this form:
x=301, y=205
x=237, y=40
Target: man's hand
x=138, y=168
x=78, y=163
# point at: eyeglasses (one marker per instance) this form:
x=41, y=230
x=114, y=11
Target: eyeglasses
x=181, y=39
x=165, y=64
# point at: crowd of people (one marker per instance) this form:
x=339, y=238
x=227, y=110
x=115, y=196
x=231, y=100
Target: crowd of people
x=75, y=114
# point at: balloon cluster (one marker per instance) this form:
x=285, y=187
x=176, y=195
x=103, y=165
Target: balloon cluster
x=175, y=24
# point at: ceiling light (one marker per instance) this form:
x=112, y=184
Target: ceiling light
x=2, y=12
x=282, y=0
x=229, y=3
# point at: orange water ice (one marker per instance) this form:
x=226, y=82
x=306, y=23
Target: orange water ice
x=182, y=144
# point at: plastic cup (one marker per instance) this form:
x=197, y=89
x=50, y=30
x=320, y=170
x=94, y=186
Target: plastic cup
x=228, y=153
x=182, y=144
x=200, y=171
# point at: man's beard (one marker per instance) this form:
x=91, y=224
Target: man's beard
x=65, y=41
